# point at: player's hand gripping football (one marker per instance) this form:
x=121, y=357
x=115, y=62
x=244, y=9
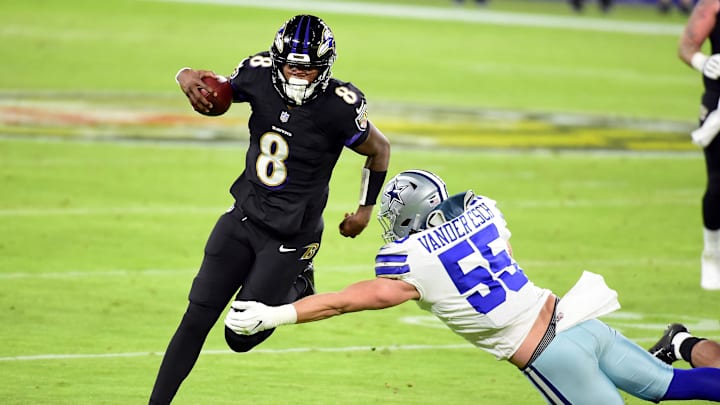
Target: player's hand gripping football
x=354, y=223
x=250, y=317
x=191, y=83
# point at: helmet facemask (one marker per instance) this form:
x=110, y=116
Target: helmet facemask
x=297, y=91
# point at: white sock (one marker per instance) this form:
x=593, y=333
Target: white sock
x=711, y=240
x=677, y=340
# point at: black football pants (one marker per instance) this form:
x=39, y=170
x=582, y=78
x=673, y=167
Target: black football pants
x=238, y=253
x=711, y=198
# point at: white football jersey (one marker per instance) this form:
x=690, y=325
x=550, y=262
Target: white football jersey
x=466, y=277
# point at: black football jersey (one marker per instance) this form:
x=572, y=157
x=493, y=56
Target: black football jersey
x=292, y=151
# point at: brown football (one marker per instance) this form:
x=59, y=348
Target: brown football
x=221, y=96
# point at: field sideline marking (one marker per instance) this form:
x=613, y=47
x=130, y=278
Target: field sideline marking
x=459, y=15
x=228, y=351
x=643, y=340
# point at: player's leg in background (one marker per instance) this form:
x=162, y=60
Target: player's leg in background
x=710, y=261
x=218, y=279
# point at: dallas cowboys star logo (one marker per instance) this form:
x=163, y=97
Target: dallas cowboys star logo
x=394, y=194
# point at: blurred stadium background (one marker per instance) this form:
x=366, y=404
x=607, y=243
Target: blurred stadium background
x=109, y=183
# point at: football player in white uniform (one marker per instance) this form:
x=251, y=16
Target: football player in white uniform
x=452, y=255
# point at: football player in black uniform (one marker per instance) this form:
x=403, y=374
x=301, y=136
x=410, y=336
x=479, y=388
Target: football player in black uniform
x=262, y=248
x=704, y=25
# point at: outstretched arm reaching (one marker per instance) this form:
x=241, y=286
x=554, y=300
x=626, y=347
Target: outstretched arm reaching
x=249, y=317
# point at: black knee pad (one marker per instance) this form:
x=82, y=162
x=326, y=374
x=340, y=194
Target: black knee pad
x=198, y=319
x=244, y=343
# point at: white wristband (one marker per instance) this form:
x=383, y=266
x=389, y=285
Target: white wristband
x=285, y=314
x=364, y=180
x=698, y=61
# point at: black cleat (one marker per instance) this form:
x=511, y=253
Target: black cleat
x=305, y=283
x=664, y=349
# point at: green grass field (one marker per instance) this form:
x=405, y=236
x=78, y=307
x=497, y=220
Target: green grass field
x=100, y=239
x=445, y=56
x=100, y=242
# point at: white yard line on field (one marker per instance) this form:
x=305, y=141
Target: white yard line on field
x=227, y=351
x=462, y=346
x=92, y=274
x=410, y=12
x=33, y=212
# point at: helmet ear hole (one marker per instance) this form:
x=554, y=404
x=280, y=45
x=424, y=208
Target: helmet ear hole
x=435, y=218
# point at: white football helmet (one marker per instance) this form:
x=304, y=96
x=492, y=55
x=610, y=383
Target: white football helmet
x=407, y=200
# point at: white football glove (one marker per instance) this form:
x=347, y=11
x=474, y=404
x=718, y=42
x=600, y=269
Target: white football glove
x=708, y=131
x=709, y=66
x=250, y=317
